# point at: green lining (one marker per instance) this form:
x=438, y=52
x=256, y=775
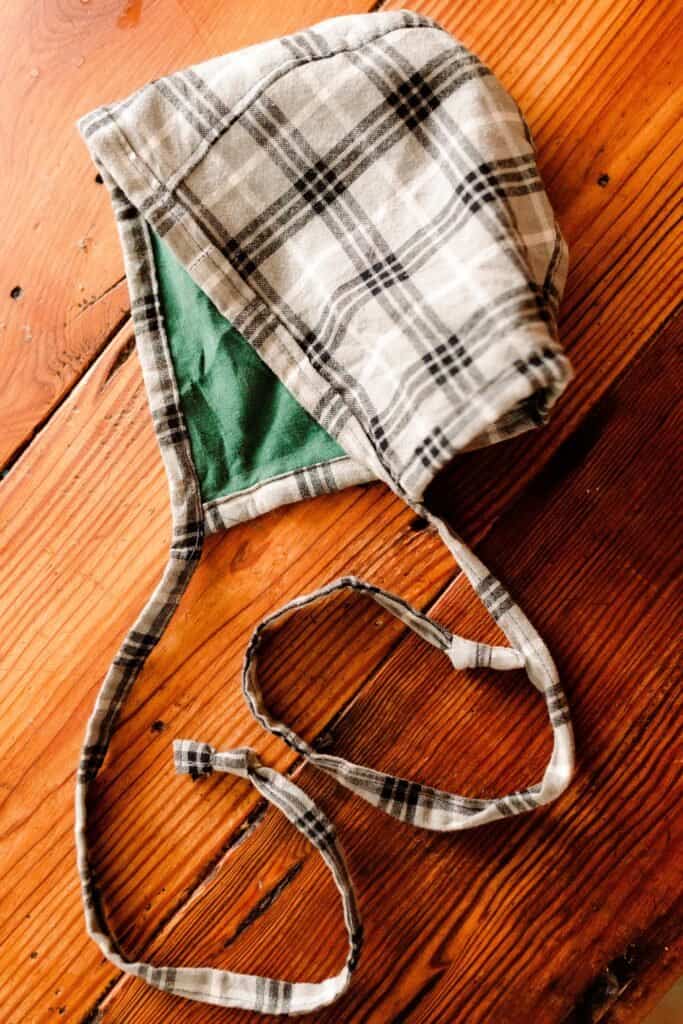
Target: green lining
x=244, y=425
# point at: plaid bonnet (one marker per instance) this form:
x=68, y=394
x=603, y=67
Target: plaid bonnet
x=342, y=267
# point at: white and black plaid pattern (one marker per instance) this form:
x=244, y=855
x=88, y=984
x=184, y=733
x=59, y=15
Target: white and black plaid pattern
x=224, y=988
x=361, y=201
x=410, y=801
x=309, y=482
x=272, y=995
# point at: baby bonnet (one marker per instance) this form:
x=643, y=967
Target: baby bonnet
x=343, y=267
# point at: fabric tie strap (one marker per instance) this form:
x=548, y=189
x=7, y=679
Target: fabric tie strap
x=410, y=801
x=273, y=995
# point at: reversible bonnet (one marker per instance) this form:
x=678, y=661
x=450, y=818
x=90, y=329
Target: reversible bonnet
x=343, y=267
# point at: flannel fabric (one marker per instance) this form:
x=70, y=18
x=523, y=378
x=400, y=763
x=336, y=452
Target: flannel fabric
x=361, y=202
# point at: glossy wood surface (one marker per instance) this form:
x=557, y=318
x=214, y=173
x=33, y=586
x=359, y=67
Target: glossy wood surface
x=568, y=916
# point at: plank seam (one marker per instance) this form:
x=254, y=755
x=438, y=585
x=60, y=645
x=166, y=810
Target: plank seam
x=24, y=447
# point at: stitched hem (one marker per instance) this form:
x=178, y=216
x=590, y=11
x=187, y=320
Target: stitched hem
x=321, y=478
x=112, y=150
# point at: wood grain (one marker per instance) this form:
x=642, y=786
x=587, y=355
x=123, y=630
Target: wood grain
x=84, y=535
x=60, y=253
x=84, y=530
x=528, y=919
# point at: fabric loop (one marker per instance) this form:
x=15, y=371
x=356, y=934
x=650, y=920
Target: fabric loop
x=403, y=798
x=197, y=759
x=204, y=984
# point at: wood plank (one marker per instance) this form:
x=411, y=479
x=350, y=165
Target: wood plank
x=95, y=543
x=59, y=240
x=84, y=532
x=533, y=915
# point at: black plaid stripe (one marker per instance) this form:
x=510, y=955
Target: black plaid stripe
x=489, y=181
x=400, y=797
x=199, y=104
x=378, y=434
x=284, y=1004
x=315, y=349
x=383, y=274
x=163, y=978
x=469, y=805
x=162, y=208
x=198, y=759
x=549, y=284
x=239, y=257
x=196, y=113
x=539, y=365
x=511, y=309
x=331, y=412
x=102, y=118
x=169, y=424
x=92, y=756
x=414, y=100
x=185, y=537
x=447, y=359
x=319, y=186
x=434, y=449
x=557, y=706
x=135, y=647
x=357, y=939
x=494, y=596
x=516, y=803
x=504, y=809
x=318, y=829
x=146, y=313
x=299, y=46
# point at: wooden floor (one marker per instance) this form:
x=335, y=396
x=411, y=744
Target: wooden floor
x=573, y=914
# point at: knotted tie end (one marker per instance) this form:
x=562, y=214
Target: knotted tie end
x=465, y=653
x=196, y=759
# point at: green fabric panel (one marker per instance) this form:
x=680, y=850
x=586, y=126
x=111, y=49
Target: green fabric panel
x=245, y=426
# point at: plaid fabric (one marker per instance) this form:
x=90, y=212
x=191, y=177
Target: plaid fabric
x=271, y=994
x=407, y=800
x=361, y=201
x=208, y=985
x=320, y=478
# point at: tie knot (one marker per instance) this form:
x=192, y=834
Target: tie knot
x=195, y=759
